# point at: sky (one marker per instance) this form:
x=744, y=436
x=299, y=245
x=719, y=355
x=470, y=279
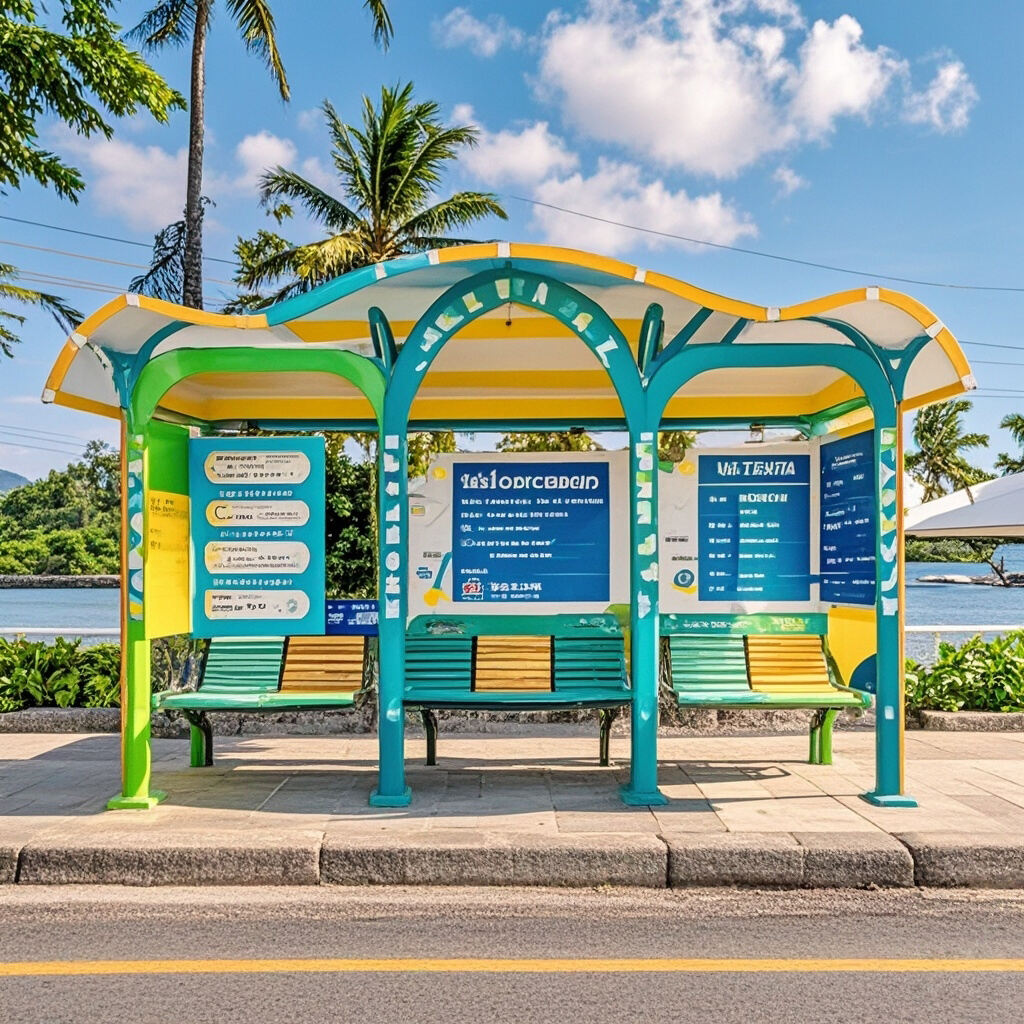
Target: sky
x=883, y=138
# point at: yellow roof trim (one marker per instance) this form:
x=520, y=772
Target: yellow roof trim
x=87, y=405
x=816, y=307
x=926, y=318
x=200, y=317
x=711, y=300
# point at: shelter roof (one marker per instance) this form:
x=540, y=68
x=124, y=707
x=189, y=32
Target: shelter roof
x=512, y=363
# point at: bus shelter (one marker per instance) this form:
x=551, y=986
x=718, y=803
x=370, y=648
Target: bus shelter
x=727, y=553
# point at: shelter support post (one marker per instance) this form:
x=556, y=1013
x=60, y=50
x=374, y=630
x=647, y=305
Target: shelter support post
x=889, y=711
x=136, y=684
x=643, y=615
x=393, y=532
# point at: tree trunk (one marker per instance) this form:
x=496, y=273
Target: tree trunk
x=192, y=291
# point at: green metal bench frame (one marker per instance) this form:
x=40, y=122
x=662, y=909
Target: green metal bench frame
x=720, y=676
x=588, y=668
x=243, y=674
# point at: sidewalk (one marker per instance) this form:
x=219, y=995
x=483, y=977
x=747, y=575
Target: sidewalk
x=531, y=809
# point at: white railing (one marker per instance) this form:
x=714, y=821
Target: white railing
x=59, y=631
x=937, y=632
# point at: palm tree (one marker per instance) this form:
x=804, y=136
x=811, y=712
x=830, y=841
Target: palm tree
x=1007, y=464
x=939, y=464
x=10, y=291
x=175, y=22
x=388, y=170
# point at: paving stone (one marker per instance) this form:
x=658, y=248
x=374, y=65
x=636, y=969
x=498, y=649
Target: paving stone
x=948, y=859
x=854, y=860
x=756, y=859
x=150, y=857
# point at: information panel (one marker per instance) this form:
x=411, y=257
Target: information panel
x=754, y=527
x=530, y=531
x=257, y=535
x=848, y=520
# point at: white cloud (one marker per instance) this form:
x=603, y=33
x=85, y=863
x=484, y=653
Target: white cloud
x=839, y=76
x=460, y=28
x=310, y=120
x=520, y=156
x=257, y=153
x=144, y=185
x=618, y=192
x=947, y=101
x=712, y=86
x=788, y=180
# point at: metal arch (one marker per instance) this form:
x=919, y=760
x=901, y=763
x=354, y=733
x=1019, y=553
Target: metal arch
x=674, y=373
x=470, y=299
x=162, y=373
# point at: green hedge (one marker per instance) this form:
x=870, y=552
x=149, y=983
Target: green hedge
x=62, y=674
x=979, y=675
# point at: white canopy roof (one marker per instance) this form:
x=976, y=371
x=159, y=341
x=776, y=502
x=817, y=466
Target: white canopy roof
x=997, y=510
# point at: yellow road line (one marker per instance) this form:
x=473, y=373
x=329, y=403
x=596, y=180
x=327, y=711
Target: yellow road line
x=437, y=965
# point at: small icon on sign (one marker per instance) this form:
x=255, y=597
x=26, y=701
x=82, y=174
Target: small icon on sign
x=684, y=581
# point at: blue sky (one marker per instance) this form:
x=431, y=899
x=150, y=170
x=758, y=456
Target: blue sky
x=881, y=137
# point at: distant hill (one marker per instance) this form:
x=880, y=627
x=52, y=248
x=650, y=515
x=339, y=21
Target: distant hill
x=9, y=480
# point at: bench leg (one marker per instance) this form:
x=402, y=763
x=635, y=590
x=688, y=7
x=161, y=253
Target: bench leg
x=825, y=740
x=430, y=725
x=814, y=756
x=606, y=716
x=200, y=741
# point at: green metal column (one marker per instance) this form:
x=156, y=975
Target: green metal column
x=136, y=680
x=393, y=534
x=643, y=561
x=888, y=791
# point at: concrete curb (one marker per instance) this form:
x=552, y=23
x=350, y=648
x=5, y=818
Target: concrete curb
x=815, y=860
x=256, y=857
x=947, y=859
x=972, y=721
x=465, y=857
x=8, y=863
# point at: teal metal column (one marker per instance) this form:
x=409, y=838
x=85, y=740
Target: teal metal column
x=643, y=620
x=393, y=531
x=888, y=791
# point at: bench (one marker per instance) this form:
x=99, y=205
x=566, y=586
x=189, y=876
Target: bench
x=259, y=674
x=515, y=663
x=759, y=661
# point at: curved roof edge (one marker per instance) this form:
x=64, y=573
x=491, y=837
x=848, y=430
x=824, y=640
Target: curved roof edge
x=302, y=305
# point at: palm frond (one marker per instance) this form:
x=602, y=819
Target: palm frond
x=280, y=183
x=383, y=30
x=255, y=20
x=457, y=211
x=169, y=23
x=67, y=317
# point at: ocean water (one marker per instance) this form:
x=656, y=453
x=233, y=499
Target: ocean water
x=938, y=604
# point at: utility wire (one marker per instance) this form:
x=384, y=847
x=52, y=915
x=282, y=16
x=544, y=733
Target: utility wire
x=32, y=437
x=39, y=430
x=105, y=238
x=767, y=255
x=36, y=447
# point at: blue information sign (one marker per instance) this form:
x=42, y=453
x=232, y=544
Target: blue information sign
x=753, y=533
x=848, y=520
x=351, y=618
x=530, y=531
x=257, y=535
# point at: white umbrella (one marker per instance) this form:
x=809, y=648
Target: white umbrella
x=997, y=510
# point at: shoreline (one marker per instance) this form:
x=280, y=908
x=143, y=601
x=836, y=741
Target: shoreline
x=10, y=582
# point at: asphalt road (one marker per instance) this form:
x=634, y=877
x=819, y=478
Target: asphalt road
x=787, y=956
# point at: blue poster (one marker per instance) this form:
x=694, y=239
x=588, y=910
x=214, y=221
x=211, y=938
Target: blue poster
x=257, y=535
x=754, y=520
x=351, y=618
x=848, y=520
x=530, y=531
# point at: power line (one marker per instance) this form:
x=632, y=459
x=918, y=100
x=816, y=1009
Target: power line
x=767, y=255
x=39, y=430
x=989, y=344
x=105, y=238
x=36, y=447
x=32, y=437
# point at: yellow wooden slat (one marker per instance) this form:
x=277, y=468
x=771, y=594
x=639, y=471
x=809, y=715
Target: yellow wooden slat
x=319, y=664
x=512, y=663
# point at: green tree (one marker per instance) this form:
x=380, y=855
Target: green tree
x=1005, y=463
x=177, y=22
x=550, y=441
x=674, y=444
x=389, y=170
x=940, y=464
x=83, y=74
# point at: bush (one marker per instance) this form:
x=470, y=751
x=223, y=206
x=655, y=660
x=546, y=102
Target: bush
x=62, y=674
x=979, y=675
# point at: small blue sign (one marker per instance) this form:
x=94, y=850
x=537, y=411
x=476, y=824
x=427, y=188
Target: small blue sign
x=754, y=514
x=531, y=531
x=848, y=520
x=351, y=618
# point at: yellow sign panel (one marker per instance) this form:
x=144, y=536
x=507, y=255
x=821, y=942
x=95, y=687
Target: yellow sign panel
x=167, y=594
